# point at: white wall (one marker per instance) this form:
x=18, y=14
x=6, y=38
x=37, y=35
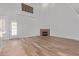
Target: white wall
x=27, y=23
x=60, y=18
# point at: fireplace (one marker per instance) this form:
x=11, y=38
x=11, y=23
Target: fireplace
x=44, y=32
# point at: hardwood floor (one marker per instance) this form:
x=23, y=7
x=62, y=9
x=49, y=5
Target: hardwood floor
x=41, y=46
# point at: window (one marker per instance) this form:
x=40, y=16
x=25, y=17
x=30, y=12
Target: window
x=27, y=8
x=2, y=26
x=14, y=28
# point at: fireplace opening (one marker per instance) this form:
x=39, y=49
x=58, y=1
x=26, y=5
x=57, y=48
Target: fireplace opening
x=44, y=32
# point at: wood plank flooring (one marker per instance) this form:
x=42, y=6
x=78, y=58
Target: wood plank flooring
x=41, y=46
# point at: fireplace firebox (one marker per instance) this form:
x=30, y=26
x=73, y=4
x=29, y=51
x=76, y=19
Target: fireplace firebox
x=44, y=32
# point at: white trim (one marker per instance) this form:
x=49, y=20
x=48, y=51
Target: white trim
x=68, y=37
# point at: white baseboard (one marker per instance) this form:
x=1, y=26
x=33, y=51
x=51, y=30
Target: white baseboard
x=62, y=36
x=68, y=37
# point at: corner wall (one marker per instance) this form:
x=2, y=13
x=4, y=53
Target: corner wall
x=62, y=20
